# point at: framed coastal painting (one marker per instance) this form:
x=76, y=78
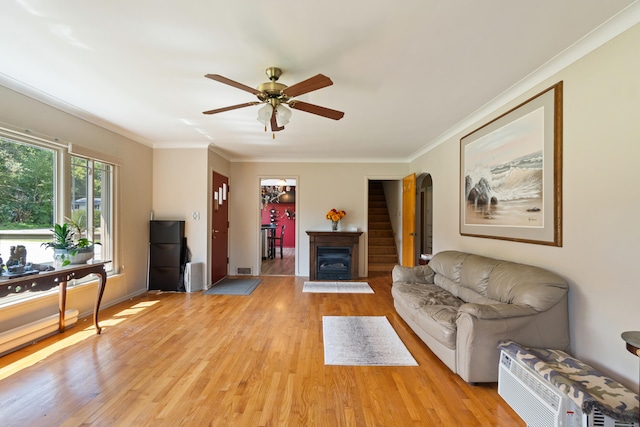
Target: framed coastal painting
x=511, y=174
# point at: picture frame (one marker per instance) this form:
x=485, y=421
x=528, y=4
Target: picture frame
x=511, y=174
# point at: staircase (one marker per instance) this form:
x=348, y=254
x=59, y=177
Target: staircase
x=383, y=254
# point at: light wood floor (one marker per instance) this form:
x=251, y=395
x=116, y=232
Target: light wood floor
x=285, y=266
x=176, y=359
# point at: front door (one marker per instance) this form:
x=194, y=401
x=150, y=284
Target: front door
x=219, y=227
x=409, y=220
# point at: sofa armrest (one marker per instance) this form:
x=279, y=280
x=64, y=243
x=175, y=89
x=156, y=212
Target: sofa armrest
x=496, y=311
x=477, y=354
x=418, y=274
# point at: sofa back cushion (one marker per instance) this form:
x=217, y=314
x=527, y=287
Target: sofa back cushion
x=514, y=283
x=482, y=280
x=448, y=264
x=475, y=273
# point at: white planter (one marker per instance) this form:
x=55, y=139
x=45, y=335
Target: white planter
x=81, y=256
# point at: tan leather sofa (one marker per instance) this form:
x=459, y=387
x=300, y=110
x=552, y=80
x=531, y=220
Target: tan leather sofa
x=462, y=304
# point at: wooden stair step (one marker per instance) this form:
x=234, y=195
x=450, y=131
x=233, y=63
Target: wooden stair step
x=382, y=250
x=378, y=211
x=381, y=267
x=377, y=234
x=379, y=226
x=382, y=259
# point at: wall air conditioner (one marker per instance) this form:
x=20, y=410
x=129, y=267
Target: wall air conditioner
x=540, y=404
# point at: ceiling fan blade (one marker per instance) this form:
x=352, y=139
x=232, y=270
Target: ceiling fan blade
x=314, y=83
x=219, y=78
x=274, y=123
x=231, y=107
x=316, y=109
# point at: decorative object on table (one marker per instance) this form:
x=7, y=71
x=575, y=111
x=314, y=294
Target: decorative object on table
x=17, y=256
x=335, y=216
x=68, y=250
x=511, y=174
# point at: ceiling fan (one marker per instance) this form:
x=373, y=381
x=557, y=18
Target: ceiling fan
x=276, y=95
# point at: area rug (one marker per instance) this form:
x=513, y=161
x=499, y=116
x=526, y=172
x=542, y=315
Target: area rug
x=231, y=286
x=337, y=287
x=363, y=341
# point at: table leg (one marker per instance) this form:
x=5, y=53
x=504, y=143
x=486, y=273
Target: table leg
x=62, y=304
x=96, y=308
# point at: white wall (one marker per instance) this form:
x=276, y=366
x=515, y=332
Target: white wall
x=320, y=187
x=601, y=234
x=181, y=187
x=132, y=202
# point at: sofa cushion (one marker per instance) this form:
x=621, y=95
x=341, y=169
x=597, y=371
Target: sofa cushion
x=514, y=283
x=475, y=273
x=419, y=274
x=431, y=307
x=448, y=264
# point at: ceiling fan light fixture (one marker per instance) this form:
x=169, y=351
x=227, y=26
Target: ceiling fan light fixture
x=283, y=114
x=275, y=95
x=264, y=114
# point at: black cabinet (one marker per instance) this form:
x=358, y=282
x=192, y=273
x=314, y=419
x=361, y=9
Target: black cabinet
x=167, y=255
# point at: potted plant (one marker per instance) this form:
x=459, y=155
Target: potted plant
x=68, y=250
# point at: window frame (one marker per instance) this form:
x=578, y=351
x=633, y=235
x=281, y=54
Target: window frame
x=62, y=181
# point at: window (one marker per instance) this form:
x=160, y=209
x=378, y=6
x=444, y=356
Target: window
x=33, y=185
x=91, y=203
x=26, y=198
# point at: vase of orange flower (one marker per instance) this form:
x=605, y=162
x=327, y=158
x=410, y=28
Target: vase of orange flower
x=335, y=216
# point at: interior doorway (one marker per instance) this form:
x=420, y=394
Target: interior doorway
x=278, y=226
x=424, y=215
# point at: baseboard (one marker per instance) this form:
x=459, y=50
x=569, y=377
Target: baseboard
x=30, y=333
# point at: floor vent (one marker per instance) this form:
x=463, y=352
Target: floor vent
x=244, y=271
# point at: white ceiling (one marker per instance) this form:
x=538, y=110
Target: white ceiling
x=404, y=72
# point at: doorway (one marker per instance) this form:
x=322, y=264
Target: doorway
x=424, y=215
x=278, y=226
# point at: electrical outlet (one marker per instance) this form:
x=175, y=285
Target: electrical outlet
x=195, y=215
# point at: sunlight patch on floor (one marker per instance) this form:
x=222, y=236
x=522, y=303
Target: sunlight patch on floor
x=89, y=331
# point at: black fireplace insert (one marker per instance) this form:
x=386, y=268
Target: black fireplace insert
x=333, y=263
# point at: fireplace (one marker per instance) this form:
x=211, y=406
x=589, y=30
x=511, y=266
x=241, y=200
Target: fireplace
x=333, y=255
x=333, y=263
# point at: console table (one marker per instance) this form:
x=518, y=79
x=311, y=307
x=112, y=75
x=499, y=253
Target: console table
x=61, y=276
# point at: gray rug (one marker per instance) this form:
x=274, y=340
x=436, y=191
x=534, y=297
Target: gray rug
x=337, y=287
x=231, y=286
x=363, y=341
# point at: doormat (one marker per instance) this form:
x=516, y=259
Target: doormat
x=231, y=286
x=363, y=341
x=337, y=287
